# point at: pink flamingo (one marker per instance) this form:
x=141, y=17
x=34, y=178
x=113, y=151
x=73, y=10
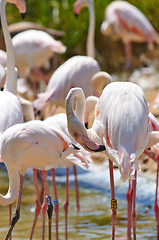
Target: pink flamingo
x=32, y=49
x=121, y=124
x=35, y=145
x=126, y=22
x=77, y=71
x=11, y=111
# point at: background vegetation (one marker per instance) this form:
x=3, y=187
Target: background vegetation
x=58, y=14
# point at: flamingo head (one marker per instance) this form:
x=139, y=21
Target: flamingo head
x=79, y=4
x=20, y=4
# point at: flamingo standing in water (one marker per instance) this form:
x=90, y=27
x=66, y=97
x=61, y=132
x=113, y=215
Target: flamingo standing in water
x=78, y=5
x=34, y=145
x=121, y=124
x=126, y=22
x=59, y=121
x=11, y=112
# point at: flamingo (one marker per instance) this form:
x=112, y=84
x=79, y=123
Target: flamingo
x=11, y=112
x=126, y=22
x=35, y=145
x=78, y=5
x=78, y=71
x=59, y=121
x=32, y=49
x=121, y=124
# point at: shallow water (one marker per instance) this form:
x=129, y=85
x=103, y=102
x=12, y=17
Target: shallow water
x=93, y=221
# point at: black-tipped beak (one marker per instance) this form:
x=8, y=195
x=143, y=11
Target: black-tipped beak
x=86, y=125
x=75, y=147
x=23, y=15
x=100, y=149
x=76, y=15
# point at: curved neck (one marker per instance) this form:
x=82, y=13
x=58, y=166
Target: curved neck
x=78, y=96
x=90, y=38
x=11, y=76
x=14, y=182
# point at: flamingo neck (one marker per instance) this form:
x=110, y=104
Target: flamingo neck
x=14, y=182
x=11, y=75
x=80, y=105
x=90, y=38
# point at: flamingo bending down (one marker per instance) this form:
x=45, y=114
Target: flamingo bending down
x=59, y=121
x=77, y=71
x=32, y=49
x=129, y=24
x=121, y=124
x=78, y=5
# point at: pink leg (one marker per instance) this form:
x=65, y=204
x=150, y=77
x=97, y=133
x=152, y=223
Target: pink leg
x=10, y=218
x=113, y=200
x=128, y=58
x=66, y=203
x=17, y=213
x=156, y=207
x=56, y=204
x=47, y=205
x=76, y=189
x=38, y=202
x=134, y=220
x=129, y=209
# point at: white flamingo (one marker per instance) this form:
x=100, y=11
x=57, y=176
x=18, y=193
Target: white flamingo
x=32, y=49
x=126, y=22
x=11, y=111
x=121, y=124
x=77, y=71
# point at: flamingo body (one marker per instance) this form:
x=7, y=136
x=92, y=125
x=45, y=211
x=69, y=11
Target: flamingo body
x=75, y=72
x=124, y=115
x=121, y=123
x=33, y=48
x=128, y=23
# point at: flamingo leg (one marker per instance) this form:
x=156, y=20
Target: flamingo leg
x=128, y=58
x=156, y=207
x=47, y=203
x=17, y=213
x=134, y=220
x=129, y=209
x=113, y=200
x=66, y=203
x=38, y=202
x=76, y=188
x=10, y=218
x=56, y=204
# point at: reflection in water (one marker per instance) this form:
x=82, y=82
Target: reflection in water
x=93, y=221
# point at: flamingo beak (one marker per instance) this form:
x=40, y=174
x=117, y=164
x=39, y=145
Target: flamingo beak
x=23, y=15
x=88, y=144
